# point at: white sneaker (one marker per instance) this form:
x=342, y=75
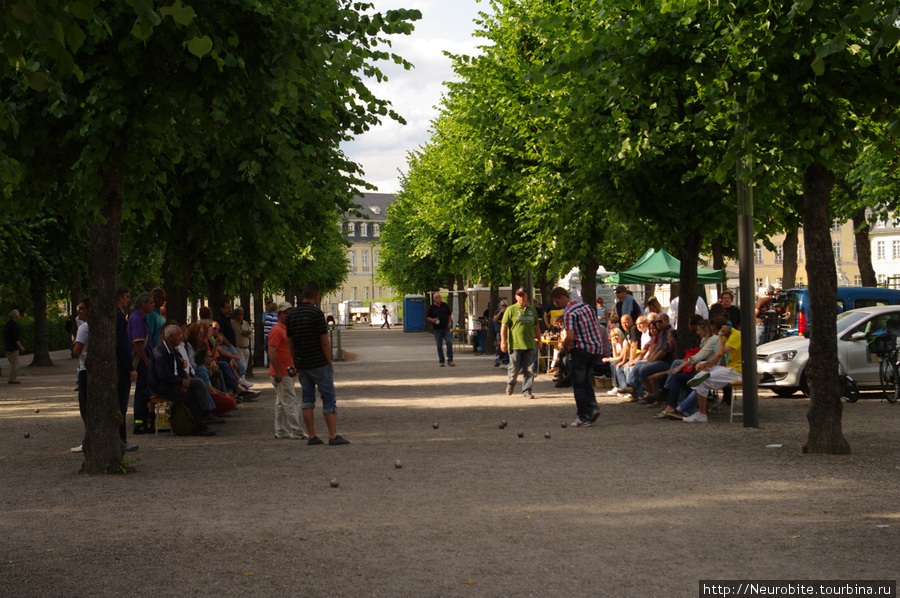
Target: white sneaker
x=697, y=418
x=77, y=449
x=246, y=383
x=613, y=391
x=301, y=436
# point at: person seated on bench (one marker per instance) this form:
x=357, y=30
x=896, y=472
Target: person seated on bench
x=203, y=364
x=169, y=380
x=710, y=375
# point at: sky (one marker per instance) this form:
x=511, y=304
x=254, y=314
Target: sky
x=446, y=25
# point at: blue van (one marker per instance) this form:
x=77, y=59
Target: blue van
x=792, y=306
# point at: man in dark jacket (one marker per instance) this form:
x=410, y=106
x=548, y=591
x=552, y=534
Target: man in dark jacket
x=168, y=379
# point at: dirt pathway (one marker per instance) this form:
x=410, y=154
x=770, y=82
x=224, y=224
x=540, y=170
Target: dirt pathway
x=630, y=507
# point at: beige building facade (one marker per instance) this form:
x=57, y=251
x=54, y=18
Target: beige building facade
x=364, y=233
x=769, y=265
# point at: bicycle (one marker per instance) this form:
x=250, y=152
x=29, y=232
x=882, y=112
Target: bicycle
x=884, y=345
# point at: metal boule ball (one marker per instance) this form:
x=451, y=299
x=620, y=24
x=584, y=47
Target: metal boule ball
x=564, y=424
x=547, y=435
x=435, y=425
x=37, y=410
x=398, y=464
x=334, y=483
x=27, y=435
x=521, y=434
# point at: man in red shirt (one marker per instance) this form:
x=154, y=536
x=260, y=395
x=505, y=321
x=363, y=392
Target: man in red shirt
x=287, y=405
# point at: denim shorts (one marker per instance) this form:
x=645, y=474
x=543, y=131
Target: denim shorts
x=323, y=379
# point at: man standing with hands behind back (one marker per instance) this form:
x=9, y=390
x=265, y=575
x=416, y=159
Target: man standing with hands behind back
x=307, y=336
x=441, y=319
x=520, y=327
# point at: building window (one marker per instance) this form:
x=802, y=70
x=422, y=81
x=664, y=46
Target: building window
x=857, y=281
x=353, y=291
x=881, y=224
x=376, y=230
x=351, y=229
x=365, y=261
x=799, y=252
x=836, y=225
x=375, y=258
x=351, y=258
x=363, y=230
x=779, y=254
x=855, y=254
x=800, y=282
x=758, y=254
x=836, y=247
x=895, y=250
x=759, y=283
x=879, y=250
x=882, y=280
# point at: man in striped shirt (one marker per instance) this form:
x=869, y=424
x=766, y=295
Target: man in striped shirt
x=582, y=344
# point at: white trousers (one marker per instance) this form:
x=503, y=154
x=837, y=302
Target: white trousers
x=287, y=408
x=719, y=377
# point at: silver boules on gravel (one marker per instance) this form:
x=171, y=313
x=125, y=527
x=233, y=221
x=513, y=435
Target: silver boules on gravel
x=27, y=435
x=334, y=483
x=435, y=425
x=521, y=434
x=398, y=464
x=564, y=424
x=547, y=435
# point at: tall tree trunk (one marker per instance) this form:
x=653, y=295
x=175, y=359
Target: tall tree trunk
x=492, y=307
x=864, y=249
x=451, y=285
x=178, y=267
x=259, y=329
x=588, y=271
x=689, y=254
x=718, y=263
x=515, y=282
x=545, y=285
x=649, y=291
x=38, y=290
x=825, y=407
x=463, y=304
x=789, y=259
x=103, y=449
x=217, y=295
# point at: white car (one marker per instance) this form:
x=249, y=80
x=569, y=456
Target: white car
x=781, y=364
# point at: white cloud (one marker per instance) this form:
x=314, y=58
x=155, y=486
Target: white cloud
x=446, y=25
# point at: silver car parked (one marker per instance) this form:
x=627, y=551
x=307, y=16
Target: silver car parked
x=781, y=364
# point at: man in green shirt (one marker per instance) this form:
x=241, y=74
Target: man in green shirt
x=518, y=331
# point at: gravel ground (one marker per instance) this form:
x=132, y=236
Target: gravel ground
x=629, y=507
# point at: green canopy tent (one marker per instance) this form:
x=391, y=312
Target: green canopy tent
x=659, y=267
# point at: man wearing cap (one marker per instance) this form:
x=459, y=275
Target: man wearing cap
x=582, y=344
x=626, y=305
x=518, y=331
x=287, y=405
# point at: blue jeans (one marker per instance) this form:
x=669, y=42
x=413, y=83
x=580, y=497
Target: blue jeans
x=689, y=404
x=678, y=386
x=323, y=379
x=443, y=334
x=581, y=372
x=674, y=365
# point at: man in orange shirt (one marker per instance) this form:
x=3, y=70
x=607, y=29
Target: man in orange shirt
x=287, y=405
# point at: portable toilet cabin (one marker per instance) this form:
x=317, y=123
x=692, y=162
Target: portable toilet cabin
x=413, y=313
